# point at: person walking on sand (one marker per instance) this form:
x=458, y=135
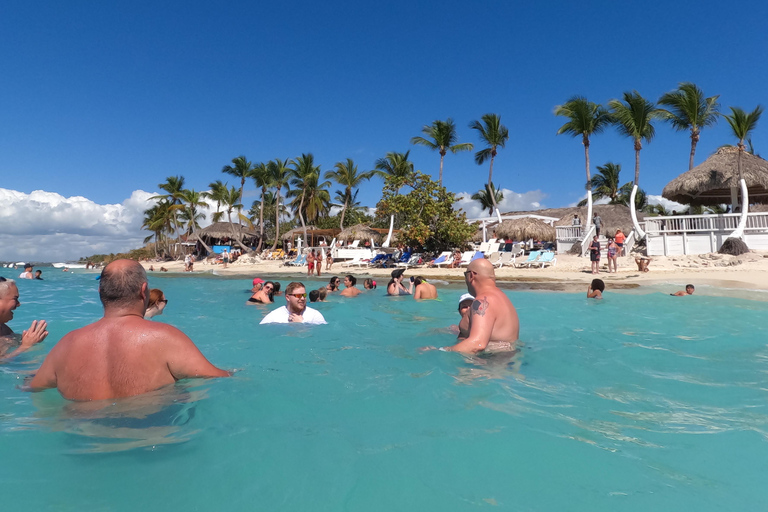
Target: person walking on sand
x=121, y=354
x=9, y=301
x=225, y=258
x=493, y=322
x=598, y=222
x=594, y=255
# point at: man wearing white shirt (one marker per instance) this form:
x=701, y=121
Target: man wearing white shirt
x=295, y=309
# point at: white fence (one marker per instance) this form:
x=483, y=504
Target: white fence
x=700, y=234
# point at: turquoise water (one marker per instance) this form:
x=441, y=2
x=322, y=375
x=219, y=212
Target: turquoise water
x=639, y=402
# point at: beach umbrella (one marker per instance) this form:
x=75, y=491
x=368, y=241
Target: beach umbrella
x=290, y=235
x=525, y=228
x=716, y=180
x=360, y=232
x=614, y=216
x=219, y=230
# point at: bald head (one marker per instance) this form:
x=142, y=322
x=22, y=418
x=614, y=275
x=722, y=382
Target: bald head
x=121, y=283
x=483, y=268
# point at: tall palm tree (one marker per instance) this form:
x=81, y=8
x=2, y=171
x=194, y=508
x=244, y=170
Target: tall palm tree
x=231, y=203
x=156, y=220
x=484, y=197
x=173, y=186
x=494, y=135
x=242, y=169
x=192, y=200
x=263, y=178
x=634, y=117
x=396, y=165
x=218, y=191
x=690, y=110
x=443, y=139
x=303, y=175
x=605, y=183
x=279, y=174
x=741, y=125
x=346, y=175
x=584, y=119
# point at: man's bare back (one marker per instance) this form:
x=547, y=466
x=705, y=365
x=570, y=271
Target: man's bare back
x=121, y=355
x=425, y=290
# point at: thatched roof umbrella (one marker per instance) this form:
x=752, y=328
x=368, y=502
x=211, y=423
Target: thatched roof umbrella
x=221, y=230
x=614, y=216
x=525, y=228
x=296, y=232
x=360, y=232
x=716, y=180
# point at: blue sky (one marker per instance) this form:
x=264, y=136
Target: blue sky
x=100, y=99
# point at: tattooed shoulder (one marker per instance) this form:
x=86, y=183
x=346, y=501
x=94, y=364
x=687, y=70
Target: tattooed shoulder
x=480, y=306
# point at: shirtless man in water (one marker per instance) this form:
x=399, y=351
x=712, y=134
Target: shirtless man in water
x=493, y=322
x=121, y=354
x=423, y=289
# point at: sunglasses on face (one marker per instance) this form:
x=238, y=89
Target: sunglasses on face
x=298, y=295
x=164, y=301
x=466, y=273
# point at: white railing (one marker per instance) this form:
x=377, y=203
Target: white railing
x=568, y=233
x=585, y=243
x=679, y=224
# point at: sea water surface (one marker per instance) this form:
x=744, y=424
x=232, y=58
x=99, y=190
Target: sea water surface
x=638, y=402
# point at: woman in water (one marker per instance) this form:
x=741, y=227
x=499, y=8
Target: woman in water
x=333, y=284
x=263, y=296
x=395, y=286
x=157, y=303
x=369, y=284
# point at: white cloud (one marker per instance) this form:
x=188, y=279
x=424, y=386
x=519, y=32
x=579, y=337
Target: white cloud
x=46, y=226
x=513, y=201
x=666, y=203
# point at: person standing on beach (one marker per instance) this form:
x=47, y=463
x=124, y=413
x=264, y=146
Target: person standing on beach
x=225, y=258
x=310, y=263
x=121, y=354
x=493, y=322
x=594, y=255
x=9, y=301
x=319, y=262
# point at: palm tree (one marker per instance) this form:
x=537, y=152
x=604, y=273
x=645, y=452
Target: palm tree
x=625, y=196
x=690, y=110
x=156, y=220
x=242, y=169
x=443, y=139
x=218, y=191
x=484, y=197
x=585, y=119
x=494, y=135
x=633, y=118
x=346, y=175
x=192, y=200
x=173, y=186
x=303, y=175
x=279, y=175
x=263, y=179
x=394, y=164
x=741, y=125
x=605, y=183
x=231, y=203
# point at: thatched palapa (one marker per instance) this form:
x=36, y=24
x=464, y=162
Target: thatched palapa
x=711, y=182
x=361, y=232
x=313, y=234
x=524, y=229
x=221, y=231
x=614, y=216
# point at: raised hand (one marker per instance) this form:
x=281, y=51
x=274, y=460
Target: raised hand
x=35, y=334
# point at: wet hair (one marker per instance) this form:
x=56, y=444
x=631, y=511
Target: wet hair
x=369, y=284
x=5, y=285
x=292, y=286
x=276, y=284
x=598, y=284
x=332, y=282
x=690, y=286
x=314, y=295
x=352, y=279
x=121, y=287
x=323, y=293
x=155, y=295
x=418, y=280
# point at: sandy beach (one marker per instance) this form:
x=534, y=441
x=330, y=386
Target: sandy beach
x=719, y=272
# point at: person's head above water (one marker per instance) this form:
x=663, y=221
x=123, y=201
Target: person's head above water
x=123, y=285
x=597, y=284
x=465, y=301
x=689, y=289
x=479, y=273
x=350, y=280
x=397, y=273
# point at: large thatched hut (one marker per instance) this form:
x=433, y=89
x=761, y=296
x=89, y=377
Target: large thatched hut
x=314, y=235
x=614, y=216
x=361, y=232
x=525, y=228
x=225, y=233
x=716, y=180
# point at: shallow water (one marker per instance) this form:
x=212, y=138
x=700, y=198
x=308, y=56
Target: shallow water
x=638, y=402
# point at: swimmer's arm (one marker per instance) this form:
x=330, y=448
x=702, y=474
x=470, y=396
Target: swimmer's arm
x=481, y=322
x=591, y=294
x=185, y=361
x=45, y=378
x=417, y=295
x=678, y=294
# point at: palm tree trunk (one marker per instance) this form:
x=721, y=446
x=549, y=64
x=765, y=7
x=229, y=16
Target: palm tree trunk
x=277, y=219
x=589, y=188
x=301, y=217
x=694, y=141
x=638, y=147
x=343, y=211
x=261, y=219
x=493, y=196
x=440, y=181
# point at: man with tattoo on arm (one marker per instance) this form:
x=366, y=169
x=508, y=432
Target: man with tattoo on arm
x=493, y=322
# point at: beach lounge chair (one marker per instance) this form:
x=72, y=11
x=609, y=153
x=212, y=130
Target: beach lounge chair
x=353, y=262
x=300, y=261
x=413, y=261
x=445, y=263
x=440, y=259
x=355, y=243
x=546, y=258
x=494, y=258
x=473, y=255
x=507, y=258
x=532, y=256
